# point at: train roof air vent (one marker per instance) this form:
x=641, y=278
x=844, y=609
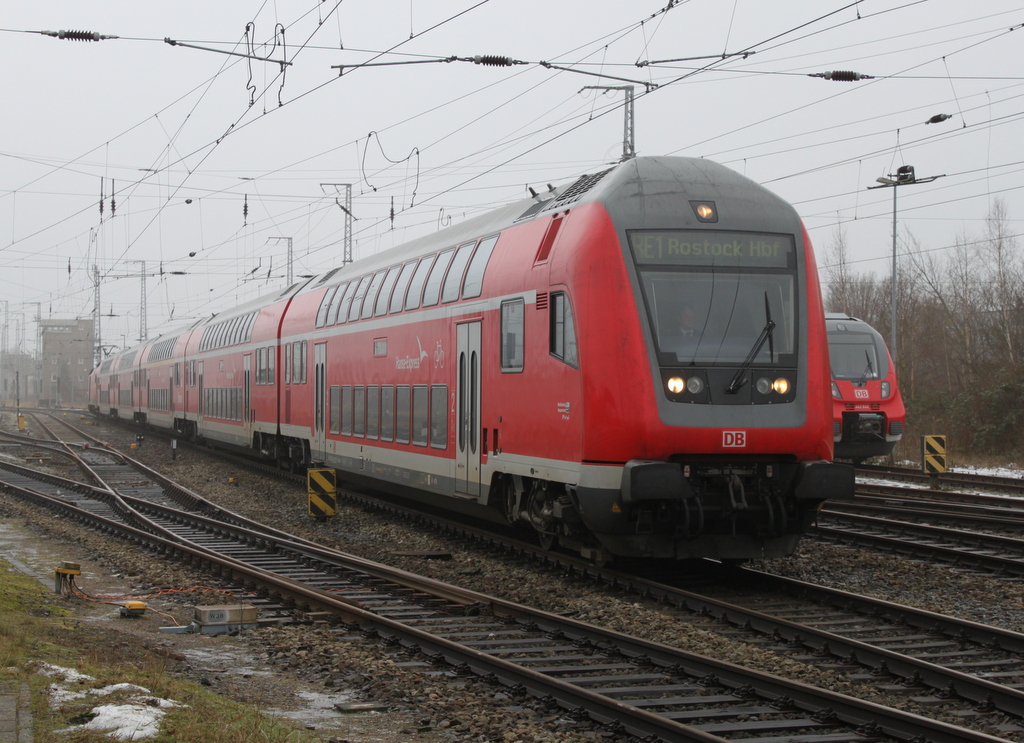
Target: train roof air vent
x=574, y=192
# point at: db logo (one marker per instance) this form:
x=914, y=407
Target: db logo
x=734, y=439
x=860, y=393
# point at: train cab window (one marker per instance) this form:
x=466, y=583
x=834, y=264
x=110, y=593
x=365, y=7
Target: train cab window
x=372, y=411
x=420, y=412
x=387, y=413
x=402, y=423
x=432, y=289
x=381, y=307
x=335, y=406
x=513, y=318
x=412, y=300
x=439, y=416
x=398, y=295
x=357, y=301
x=346, y=410
x=371, y=295
x=474, y=283
x=325, y=304
x=562, y=342
x=359, y=411
x=453, y=282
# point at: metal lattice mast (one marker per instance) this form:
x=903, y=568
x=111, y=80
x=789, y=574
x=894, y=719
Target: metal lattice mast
x=143, y=330
x=629, y=122
x=96, y=315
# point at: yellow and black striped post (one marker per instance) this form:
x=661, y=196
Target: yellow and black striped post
x=933, y=457
x=323, y=493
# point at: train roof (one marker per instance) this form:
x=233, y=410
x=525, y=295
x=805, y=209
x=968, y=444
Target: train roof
x=650, y=184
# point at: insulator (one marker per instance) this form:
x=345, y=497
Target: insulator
x=78, y=35
x=493, y=60
x=845, y=76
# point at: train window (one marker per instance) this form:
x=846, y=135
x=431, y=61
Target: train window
x=420, y=411
x=346, y=410
x=398, y=295
x=359, y=411
x=249, y=324
x=371, y=295
x=335, y=406
x=237, y=330
x=402, y=414
x=562, y=341
x=372, y=411
x=412, y=301
x=453, y=282
x=381, y=308
x=512, y=328
x=432, y=289
x=357, y=301
x=299, y=362
x=259, y=366
x=341, y=314
x=439, y=416
x=287, y=363
x=325, y=304
x=271, y=354
x=387, y=413
x=474, y=283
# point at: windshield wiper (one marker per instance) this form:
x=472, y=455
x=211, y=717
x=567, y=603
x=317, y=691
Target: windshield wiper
x=739, y=379
x=870, y=369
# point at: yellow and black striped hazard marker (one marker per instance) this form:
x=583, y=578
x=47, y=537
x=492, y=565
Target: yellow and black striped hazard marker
x=933, y=454
x=323, y=493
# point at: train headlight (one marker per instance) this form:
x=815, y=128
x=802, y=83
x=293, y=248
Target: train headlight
x=781, y=385
x=695, y=385
x=764, y=385
x=676, y=385
x=835, y=392
x=886, y=390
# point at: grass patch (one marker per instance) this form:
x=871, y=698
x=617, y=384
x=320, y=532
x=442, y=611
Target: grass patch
x=37, y=626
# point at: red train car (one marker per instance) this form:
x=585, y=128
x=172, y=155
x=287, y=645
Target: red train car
x=869, y=415
x=633, y=365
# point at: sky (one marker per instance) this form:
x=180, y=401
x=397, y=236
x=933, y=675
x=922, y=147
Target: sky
x=190, y=166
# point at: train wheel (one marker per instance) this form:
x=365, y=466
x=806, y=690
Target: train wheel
x=510, y=499
x=547, y=540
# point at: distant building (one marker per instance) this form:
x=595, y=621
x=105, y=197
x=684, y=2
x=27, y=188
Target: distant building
x=17, y=370
x=65, y=360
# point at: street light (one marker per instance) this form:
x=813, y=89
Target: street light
x=904, y=176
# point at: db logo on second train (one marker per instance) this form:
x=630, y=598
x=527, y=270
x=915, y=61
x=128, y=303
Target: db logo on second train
x=734, y=439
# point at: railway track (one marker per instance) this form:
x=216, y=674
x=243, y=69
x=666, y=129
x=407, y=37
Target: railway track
x=641, y=686
x=950, y=479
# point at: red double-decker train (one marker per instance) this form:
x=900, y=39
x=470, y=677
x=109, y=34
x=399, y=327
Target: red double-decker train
x=869, y=411
x=632, y=365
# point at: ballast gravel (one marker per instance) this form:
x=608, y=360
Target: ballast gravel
x=445, y=706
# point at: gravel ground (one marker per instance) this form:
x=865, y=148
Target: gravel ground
x=437, y=708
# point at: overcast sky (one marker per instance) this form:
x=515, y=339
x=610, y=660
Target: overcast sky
x=213, y=158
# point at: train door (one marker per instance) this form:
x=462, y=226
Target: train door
x=247, y=411
x=320, y=402
x=467, y=409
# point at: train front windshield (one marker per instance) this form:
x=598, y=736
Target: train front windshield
x=711, y=297
x=857, y=356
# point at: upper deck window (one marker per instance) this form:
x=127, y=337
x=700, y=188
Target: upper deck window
x=433, y=287
x=474, y=283
x=412, y=300
x=453, y=282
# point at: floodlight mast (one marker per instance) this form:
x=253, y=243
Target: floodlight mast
x=904, y=176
